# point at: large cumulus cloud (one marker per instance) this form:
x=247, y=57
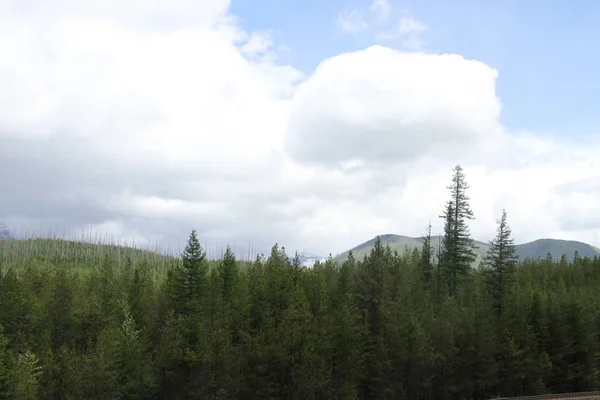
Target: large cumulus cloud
x=383, y=105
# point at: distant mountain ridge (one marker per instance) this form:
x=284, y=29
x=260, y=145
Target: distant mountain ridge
x=307, y=259
x=532, y=250
x=4, y=232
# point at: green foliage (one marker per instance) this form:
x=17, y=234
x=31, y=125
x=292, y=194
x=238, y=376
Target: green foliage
x=26, y=377
x=228, y=272
x=191, y=279
x=458, y=248
x=426, y=260
x=532, y=250
x=7, y=367
x=373, y=328
x=129, y=365
x=502, y=261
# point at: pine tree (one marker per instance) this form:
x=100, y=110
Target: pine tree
x=502, y=260
x=27, y=372
x=6, y=367
x=130, y=365
x=577, y=258
x=228, y=273
x=192, y=279
x=458, y=251
x=426, y=263
x=372, y=300
x=563, y=261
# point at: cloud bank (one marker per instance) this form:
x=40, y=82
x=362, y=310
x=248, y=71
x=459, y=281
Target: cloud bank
x=144, y=121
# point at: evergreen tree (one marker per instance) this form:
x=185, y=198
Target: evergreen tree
x=426, y=262
x=458, y=246
x=59, y=310
x=273, y=329
x=130, y=363
x=59, y=378
x=502, y=260
x=27, y=372
x=228, y=273
x=563, y=261
x=6, y=367
x=192, y=278
x=577, y=258
x=14, y=306
x=372, y=301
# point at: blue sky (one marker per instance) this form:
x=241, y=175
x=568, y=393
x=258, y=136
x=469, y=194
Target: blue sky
x=545, y=50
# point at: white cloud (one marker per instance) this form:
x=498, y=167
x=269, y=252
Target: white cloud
x=387, y=106
x=398, y=29
x=115, y=120
x=410, y=26
x=409, y=32
x=382, y=9
x=351, y=21
x=143, y=120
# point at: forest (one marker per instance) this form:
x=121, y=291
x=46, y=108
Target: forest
x=88, y=321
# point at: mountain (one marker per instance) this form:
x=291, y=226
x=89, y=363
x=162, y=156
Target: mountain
x=4, y=232
x=539, y=248
x=307, y=259
x=400, y=243
x=533, y=250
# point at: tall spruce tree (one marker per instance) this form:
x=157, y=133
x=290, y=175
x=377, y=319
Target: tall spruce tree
x=228, y=273
x=458, y=251
x=502, y=259
x=426, y=263
x=192, y=276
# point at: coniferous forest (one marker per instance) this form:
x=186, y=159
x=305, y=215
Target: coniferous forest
x=82, y=321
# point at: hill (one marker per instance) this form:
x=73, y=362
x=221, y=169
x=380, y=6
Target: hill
x=532, y=250
x=47, y=252
x=539, y=248
x=17, y=253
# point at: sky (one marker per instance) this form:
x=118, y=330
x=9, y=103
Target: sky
x=316, y=125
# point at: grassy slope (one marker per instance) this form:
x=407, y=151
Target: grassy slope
x=18, y=253
x=41, y=247
x=532, y=250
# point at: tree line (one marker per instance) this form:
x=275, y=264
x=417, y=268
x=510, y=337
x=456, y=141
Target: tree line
x=421, y=324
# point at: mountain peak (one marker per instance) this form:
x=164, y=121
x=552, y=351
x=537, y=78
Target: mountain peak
x=308, y=259
x=532, y=250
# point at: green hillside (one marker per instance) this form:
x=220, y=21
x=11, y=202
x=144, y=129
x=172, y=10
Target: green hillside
x=539, y=248
x=48, y=252
x=532, y=250
x=401, y=243
x=44, y=247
